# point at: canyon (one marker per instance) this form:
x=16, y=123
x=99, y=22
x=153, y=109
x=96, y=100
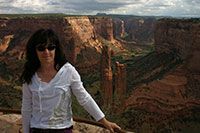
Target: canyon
x=173, y=97
x=157, y=92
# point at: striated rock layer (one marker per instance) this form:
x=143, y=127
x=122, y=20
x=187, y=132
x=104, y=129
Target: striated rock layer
x=183, y=35
x=137, y=29
x=103, y=27
x=106, y=75
x=76, y=34
x=118, y=28
x=173, y=98
x=118, y=91
x=120, y=79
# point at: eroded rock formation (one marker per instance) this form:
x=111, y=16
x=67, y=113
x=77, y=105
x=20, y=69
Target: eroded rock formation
x=77, y=34
x=118, y=28
x=135, y=28
x=81, y=36
x=5, y=42
x=103, y=27
x=120, y=79
x=22, y=29
x=106, y=76
x=183, y=35
x=175, y=95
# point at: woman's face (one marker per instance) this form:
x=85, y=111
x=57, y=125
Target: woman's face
x=46, y=53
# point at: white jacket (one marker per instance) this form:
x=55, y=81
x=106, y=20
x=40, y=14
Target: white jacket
x=48, y=105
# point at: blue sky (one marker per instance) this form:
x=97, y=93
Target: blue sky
x=183, y=8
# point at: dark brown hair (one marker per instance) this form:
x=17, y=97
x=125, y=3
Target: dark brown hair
x=32, y=63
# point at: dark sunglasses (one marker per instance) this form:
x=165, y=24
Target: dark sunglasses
x=42, y=48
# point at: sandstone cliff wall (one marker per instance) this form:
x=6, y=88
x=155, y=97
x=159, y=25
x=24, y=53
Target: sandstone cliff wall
x=112, y=85
x=174, y=96
x=21, y=29
x=118, y=28
x=103, y=27
x=82, y=35
x=183, y=35
x=75, y=33
x=136, y=29
x=79, y=35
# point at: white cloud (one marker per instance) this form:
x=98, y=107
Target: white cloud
x=34, y=6
x=135, y=7
x=121, y=1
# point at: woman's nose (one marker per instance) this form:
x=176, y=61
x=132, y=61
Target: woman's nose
x=46, y=50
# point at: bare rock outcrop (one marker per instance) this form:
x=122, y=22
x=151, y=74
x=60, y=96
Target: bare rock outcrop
x=175, y=95
x=118, y=28
x=138, y=29
x=77, y=34
x=81, y=35
x=120, y=79
x=5, y=42
x=12, y=123
x=106, y=76
x=183, y=35
x=103, y=27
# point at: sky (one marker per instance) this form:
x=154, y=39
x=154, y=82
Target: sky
x=175, y=8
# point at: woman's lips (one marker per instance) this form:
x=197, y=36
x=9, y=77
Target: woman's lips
x=46, y=57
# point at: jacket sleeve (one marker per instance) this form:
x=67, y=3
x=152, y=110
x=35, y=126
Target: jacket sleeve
x=26, y=108
x=83, y=97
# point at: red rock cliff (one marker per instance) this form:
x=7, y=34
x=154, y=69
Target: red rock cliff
x=77, y=34
x=22, y=29
x=135, y=28
x=120, y=79
x=103, y=27
x=120, y=87
x=106, y=75
x=118, y=28
x=183, y=35
x=173, y=97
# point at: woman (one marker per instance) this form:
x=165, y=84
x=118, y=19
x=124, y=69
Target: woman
x=48, y=81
